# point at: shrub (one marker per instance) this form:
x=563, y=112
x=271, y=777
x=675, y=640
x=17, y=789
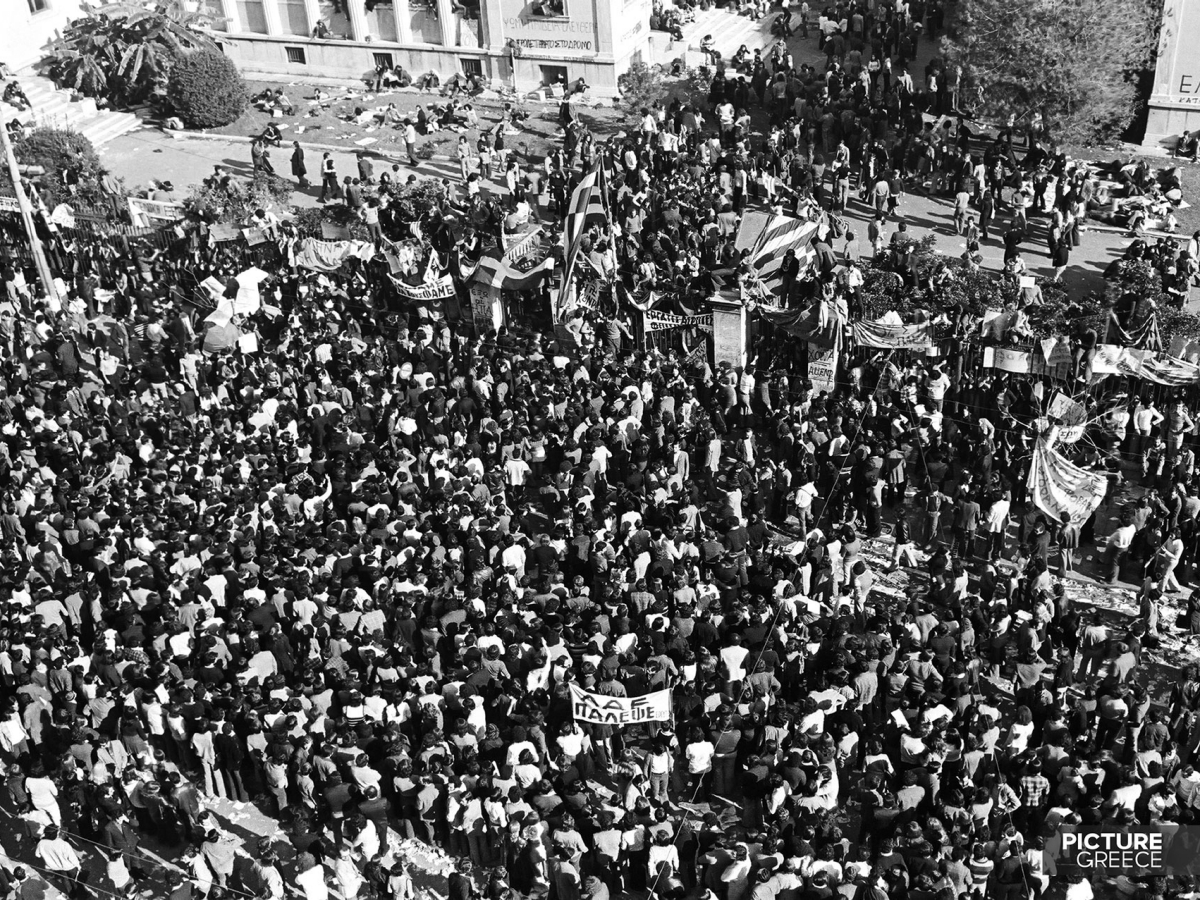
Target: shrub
x=206, y=90
x=57, y=150
x=239, y=199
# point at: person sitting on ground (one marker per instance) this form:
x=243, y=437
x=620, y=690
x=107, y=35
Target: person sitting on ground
x=282, y=103
x=272, y=135
x=14, y=95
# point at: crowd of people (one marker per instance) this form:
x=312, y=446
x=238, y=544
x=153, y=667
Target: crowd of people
x=350, y=575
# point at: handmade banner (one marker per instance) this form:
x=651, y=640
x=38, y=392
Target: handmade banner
x=144, y=213
x=661, y=321
x=1061, y=488
x=1017, y=361
x=438, y=290
x=603, y=710
x=892, y=337
x=1072, y=418
x=822, y=368
x=328, y=256
x=1159, y=368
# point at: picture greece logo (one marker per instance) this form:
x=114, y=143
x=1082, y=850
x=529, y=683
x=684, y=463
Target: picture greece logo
x=1113, y=850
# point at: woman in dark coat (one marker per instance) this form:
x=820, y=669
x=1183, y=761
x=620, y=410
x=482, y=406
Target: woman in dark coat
x=299, y=169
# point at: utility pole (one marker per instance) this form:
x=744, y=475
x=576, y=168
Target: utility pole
x=39, y=255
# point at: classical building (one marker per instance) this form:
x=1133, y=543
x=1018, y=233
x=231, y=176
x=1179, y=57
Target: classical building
x=29, y=25
x=529, y=42
x=1175, y=98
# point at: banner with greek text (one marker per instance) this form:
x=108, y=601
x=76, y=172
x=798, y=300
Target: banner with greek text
x=822, y=368
x=1061, y=488
x=438, y=290
x=1072, y=417
x=144, y=213
x=892, y=337
x=1017, y=361
x=661, y=321
x=603, y=710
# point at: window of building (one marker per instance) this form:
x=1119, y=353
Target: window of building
x=472, y=67
x=214, y=13
x=296, y=55
x=293, y=16
x=555, y=9
x=381, y=22
x=335, y=18
x=423, y=22
x=37, y=6
x=252, y=17
x=554, y=75
x=383, y=59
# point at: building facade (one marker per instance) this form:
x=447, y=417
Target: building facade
x=1174, y=105
x=29, y=25
x=522, y=43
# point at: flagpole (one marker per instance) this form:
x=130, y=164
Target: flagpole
x=35, y=245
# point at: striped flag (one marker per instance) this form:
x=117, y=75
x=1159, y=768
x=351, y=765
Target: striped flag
x=768, y=237
x=503, y=275
x=587, y=202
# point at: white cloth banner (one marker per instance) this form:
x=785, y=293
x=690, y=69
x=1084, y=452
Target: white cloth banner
x=604, y=710
x=1072, y=418
x=1061, y=488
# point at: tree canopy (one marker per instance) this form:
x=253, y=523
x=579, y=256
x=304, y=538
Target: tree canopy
x=1074, y=62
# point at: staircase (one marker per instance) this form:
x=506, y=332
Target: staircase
x=58, y=109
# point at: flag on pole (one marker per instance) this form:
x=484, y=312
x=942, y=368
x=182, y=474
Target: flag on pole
x=587, y=201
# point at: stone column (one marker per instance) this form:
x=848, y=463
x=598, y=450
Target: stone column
x=233, y=24
x=403, y=21
x=729, y=329
x=357, y=14
x=447, y=23
x=312, y=12
x=271, y=14
x=493, y=25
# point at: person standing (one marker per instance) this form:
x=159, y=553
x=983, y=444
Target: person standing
x=962, y=205
x=59, y=857
x=329, y=179
x=410, y=142
x=1068, y=543
x=299, y=169
x=987, y=213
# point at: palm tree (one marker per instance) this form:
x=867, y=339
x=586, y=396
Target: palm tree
x=123, y=52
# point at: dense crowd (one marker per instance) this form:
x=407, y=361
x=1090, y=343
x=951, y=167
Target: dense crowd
x=351, y=575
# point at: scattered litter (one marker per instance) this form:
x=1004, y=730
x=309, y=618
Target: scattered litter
x=363, y=142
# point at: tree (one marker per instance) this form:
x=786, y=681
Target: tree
x=58, y=151
x=206, y=90
x=124, y=53
x=641, y=87
x=1076, y=64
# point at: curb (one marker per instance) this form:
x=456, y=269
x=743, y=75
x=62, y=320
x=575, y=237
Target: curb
x=241, y=139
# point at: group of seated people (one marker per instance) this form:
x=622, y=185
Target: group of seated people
x=390, y=77
x=670, y=21
x=269, y=100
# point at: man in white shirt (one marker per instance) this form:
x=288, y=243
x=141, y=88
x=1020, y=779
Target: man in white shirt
x=59, y=856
